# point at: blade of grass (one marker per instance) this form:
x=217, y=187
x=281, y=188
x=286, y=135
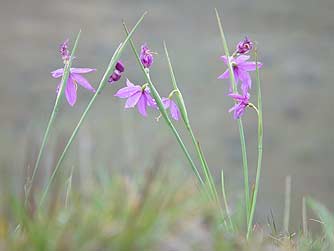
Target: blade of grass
x=326, y=217
x=260, y=148
x=102, y=84
x=53, y=114
x=304, y=217
x=227, y=209
x=164, y=114
x=240, y=125
x=287, y=204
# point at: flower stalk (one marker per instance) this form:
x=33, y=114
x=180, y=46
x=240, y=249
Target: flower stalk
x=60, y=94
x=260, y=148
x=239, y=121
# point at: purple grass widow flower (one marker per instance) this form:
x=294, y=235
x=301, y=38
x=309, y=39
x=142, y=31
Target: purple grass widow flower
x=244, y=46
x=173, y=108
x=73, y=80
x=241, y=105
x=64, y=52
x=137, y=95
x=117, y=74
x=146, y=56
x=240, y=68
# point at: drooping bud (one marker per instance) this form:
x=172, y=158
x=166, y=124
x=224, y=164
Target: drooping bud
x=115, y=76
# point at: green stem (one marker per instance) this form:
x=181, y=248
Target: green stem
x=240, y=125
x=53, y=115
x=227, y=209
x=200, y=155
x=164, y=114
x=260, y=148
x=102, y=84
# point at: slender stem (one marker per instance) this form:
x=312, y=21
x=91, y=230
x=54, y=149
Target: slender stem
x=164, y=114
x=199, y=152
x=287, y=204
x=240, y=125
x=260, y=148
x=53, y=114
x=227, y=209
x=102, y=84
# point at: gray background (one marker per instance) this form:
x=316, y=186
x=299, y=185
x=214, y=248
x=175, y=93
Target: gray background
x=295, y=39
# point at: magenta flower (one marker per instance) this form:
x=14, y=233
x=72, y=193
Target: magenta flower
x=117, y=74
x=173, y=108
x=146, y=56
x=244, y=46
x=240, y=69
x=241, y=105
x=73, y=80
x=137, y=95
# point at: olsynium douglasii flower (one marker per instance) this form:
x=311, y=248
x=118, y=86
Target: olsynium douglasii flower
x=74, y=77
x=173, y=108
x=137, y=95
x=241, y=105
x=241, y=68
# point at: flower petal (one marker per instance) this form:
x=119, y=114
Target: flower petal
x=241, y=59
x=246, y=81
x=174, y=110
x=149, y=99
x=82, y=70
x=127, y=91
x=133, y=99
x=128, y=83
x=236, y=96
x=249, y=66
x=82, y=81
x=224, y=58
x=225, y=75
x=71, y=92
x=166, y=102
x=141, y=105
x=57, y=73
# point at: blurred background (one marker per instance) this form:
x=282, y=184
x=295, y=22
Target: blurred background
x=295, y=40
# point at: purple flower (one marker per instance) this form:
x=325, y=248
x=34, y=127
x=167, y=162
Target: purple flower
x=63, y=50
x=240, y=107
x=137, y=95
x=117, y=74
x=240, y=69
x=73, y=80
x=244, y=46
x=173, y=108
x=146, y=56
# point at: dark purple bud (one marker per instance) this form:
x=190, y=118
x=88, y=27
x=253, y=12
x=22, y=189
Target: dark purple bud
x=115, y=76
x=120, y=66
x=244, y=46
x=146, y=56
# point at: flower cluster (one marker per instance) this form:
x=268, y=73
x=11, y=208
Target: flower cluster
x=75, y=76
x=241, y=68
x=140, y=96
